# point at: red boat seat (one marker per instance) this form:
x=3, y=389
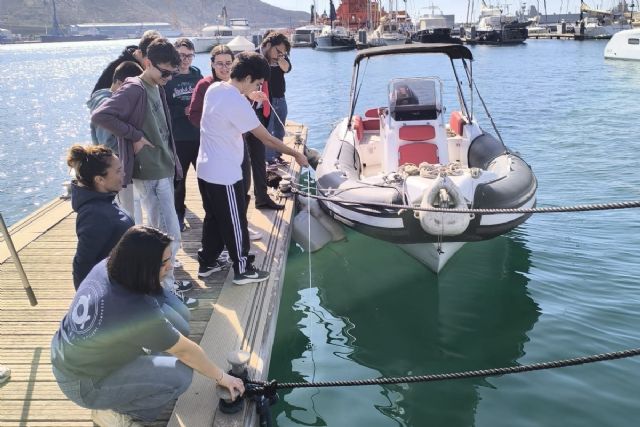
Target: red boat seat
x=418, y=152
x=372, y=112
x=371, y=124
x=358, y=127
x=417, y=133
x=457, y=122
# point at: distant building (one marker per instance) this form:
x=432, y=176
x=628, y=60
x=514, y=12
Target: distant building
x=354, y=14
x=124, y=30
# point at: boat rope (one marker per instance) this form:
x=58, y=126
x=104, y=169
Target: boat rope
x=486, y=110
x=258, y=387
x=489, y=211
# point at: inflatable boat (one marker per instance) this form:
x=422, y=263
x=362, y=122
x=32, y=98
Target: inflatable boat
x=390, y=171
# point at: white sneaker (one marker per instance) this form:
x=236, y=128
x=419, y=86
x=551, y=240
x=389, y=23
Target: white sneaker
x=110, y=418
x=254, y=235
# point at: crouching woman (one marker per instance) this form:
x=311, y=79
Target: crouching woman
x=115, y=351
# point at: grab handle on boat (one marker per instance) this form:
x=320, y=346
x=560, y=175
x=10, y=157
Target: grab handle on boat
x=16, y=260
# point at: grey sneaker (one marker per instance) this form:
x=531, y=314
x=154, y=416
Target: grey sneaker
x=208, y=270
x=252, y=275
x=109, y=418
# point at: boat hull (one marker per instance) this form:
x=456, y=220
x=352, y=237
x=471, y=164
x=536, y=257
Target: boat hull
x=435, y=256
x=624, y=45
x=334, y=43
x=515, y=190
x=435, y=35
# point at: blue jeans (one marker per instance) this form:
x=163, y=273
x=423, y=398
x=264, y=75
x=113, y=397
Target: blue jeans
x=275, y=127
x=175, y=311
x=143, y=387
x=140, y=389
x=157, y=198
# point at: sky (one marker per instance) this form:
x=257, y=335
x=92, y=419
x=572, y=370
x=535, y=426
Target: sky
x=457, y=7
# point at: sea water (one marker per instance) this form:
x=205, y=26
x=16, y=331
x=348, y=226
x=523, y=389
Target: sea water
x=559, y=286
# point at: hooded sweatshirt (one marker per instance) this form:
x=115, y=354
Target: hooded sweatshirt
x=106, y=78
x=124, y=115
x=100, y=224
x=100, y=135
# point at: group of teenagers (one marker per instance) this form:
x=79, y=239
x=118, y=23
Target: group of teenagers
x=122, y=349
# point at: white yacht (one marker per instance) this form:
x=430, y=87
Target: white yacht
x=305, y=36
x=624, y=45
x=214, y=35
x=388, y=33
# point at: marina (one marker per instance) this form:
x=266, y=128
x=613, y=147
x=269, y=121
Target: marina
x=557, y=286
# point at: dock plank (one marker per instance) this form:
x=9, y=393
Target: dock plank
x=228, y=317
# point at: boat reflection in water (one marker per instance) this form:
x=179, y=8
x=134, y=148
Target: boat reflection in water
x=376, y=313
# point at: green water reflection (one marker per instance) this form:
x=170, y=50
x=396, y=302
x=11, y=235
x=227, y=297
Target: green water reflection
x=371, y=311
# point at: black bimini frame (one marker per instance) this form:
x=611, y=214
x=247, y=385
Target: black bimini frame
x=453, y=51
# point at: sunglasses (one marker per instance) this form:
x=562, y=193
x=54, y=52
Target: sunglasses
x=165, y=73
x=184, y=56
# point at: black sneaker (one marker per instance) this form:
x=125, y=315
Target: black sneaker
x=252, y=275
x=191, y=303
x=208, y=270
x=182, y=285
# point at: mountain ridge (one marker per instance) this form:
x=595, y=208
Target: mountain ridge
x=35, y=16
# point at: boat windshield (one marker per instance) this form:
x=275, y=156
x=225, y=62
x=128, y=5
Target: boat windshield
x=413, y=99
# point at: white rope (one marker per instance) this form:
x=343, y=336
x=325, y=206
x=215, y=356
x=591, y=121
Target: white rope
x=273, y=111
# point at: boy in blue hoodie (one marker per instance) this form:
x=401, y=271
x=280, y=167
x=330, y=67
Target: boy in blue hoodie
x=101, y=136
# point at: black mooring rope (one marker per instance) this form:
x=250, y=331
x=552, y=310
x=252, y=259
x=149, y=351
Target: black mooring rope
x=455, y=375
x=550, y=209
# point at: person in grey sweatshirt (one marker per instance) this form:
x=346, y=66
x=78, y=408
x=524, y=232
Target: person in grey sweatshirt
x=138, y=115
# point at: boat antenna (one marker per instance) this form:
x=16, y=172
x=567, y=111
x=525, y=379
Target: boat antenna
x=486, y=110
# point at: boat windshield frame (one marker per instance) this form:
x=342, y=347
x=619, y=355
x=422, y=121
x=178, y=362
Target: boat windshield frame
x=453, y=51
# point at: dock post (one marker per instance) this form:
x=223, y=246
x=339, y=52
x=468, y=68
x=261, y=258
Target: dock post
x=16, y=260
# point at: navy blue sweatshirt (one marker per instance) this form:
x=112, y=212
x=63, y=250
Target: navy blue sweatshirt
x=179, y=90
x=99, y=225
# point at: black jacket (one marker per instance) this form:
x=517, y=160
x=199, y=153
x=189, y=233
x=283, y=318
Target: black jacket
x=99, y=225
x=106, y=78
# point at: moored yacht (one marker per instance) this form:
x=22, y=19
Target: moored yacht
x=334, y=38
x=494, y=27
x=433, y=28
x=305, y=36
x=213, y=35
x=388, y=33
x=624, y=45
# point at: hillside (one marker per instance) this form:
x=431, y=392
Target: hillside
x=33, y=16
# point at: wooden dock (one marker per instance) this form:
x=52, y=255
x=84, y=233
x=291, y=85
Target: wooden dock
x=558, y=36
x=228, y=317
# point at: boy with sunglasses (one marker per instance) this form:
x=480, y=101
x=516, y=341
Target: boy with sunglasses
x=138, y=115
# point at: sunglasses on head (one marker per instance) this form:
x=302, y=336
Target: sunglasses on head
x=165, y=73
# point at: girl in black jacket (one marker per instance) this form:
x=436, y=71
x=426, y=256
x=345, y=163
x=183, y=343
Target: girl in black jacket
x=100, y=222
